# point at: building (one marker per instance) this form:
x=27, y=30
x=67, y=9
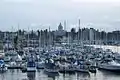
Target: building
x=60, y=33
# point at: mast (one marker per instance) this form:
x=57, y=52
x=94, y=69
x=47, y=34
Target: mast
x=79, y=23
x=65, y=25
x=69, y=39
x=49, y=36
x=79, y=31
x=18, y=36
x=39, y=41
x=117, y=40
x=12, y=31
x=100, y=39
x=80, y=35
x=28, y=38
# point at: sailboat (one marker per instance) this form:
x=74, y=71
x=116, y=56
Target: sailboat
x=50, y=66
x=31, y=64
x=31, y=58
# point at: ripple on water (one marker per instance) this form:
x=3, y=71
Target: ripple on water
x=41, y=75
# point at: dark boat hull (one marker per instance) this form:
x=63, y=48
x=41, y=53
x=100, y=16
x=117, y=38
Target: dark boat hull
x=111, y=70
x=67, y=71
x=14, y=67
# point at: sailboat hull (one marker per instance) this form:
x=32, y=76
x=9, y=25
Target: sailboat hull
x=110, y=68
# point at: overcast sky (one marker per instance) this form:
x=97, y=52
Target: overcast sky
x=40, y=14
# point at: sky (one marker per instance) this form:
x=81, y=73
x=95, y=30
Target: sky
x=40, y=14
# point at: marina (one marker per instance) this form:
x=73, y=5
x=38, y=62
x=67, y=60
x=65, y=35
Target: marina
x=56, y=66
x=54, y=57
x=59, y=40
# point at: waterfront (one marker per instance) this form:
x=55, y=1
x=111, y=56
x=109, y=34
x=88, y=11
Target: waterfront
x=59, y=40
x=40, y=75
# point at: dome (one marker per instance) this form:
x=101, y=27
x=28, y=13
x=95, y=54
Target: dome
x=60, y=27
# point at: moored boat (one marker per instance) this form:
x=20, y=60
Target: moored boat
x=110, y=66
x=51, y=67
x=31, y=64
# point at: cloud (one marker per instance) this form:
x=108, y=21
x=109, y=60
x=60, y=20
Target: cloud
x=34, y=12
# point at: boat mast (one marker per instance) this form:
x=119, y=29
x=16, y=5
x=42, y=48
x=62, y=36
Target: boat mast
x=69, y=39
x=79, y=32
x=117, y=41
x=28, y=38
x=89, y=40
x=12, y=31
x=18, y=36
x=81, y=41
x=65, y=28
x=100, y=40
x=39, y=41
x=65, y=25
x=49, y=36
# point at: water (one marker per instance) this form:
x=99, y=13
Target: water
x=41, y=75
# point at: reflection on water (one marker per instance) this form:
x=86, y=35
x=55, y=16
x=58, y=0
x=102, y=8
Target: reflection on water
x=109, y=73
x=83, y=76
x=52, y=76
x=31, y=75
x=41, y=75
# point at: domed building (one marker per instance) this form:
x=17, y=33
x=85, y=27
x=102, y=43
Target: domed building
x=60, y=33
